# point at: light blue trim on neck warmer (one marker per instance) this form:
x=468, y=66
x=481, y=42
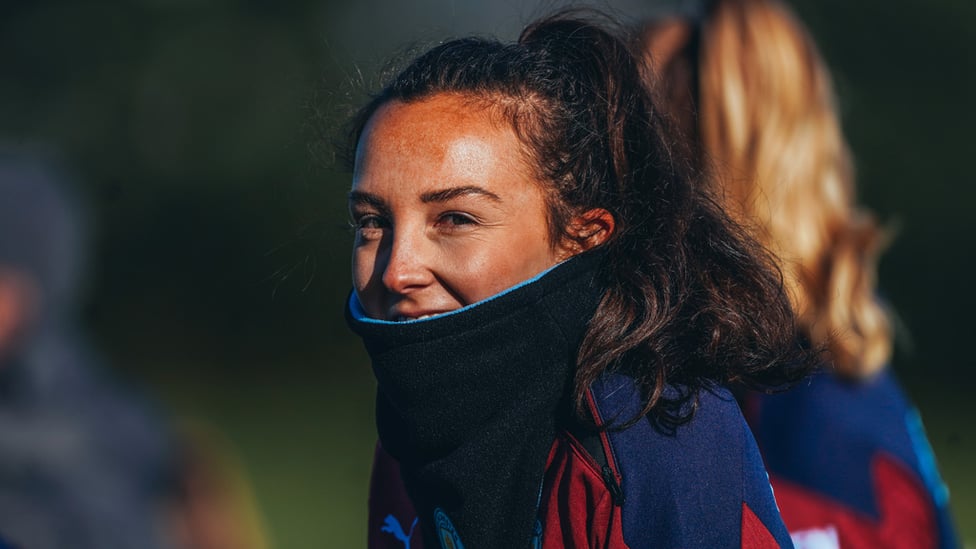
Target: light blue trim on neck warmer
x=356, y=307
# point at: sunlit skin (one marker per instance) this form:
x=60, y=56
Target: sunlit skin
x=446, y=210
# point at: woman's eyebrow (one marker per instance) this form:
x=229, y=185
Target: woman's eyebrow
x=447, y=194
x=368, y=199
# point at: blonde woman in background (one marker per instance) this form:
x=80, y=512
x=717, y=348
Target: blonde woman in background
x=846, y=453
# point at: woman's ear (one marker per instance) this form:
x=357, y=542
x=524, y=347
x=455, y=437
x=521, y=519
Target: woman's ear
x=588, y=230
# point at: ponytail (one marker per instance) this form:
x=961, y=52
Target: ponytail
x=768, y=123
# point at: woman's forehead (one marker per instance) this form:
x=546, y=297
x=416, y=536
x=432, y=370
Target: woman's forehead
x=439, y=143
x=439, y=113
x=444, y=128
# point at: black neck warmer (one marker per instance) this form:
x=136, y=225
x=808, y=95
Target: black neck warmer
x=468, y=402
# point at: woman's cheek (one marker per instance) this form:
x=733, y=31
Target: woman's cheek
x=466, y=272
x=363, y=269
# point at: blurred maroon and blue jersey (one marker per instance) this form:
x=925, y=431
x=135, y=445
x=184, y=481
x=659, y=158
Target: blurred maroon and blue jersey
x=851, y=465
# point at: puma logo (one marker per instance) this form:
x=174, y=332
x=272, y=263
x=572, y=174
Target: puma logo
x=392, y=526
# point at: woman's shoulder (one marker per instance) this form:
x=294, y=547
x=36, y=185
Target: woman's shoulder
x=877, y=398
x=857, y=443
x=716, y=417
x=703, y=481
x=714, y=442
x=855, y=419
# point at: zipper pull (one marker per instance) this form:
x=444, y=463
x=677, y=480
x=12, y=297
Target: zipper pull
x=616, y=493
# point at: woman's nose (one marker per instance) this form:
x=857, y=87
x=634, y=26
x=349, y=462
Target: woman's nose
x=407, y=267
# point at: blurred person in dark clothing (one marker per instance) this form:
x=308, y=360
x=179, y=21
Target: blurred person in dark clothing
x=83, y=463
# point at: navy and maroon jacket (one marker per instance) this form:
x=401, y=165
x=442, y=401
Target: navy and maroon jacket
x=703, y=485
x=851, y=465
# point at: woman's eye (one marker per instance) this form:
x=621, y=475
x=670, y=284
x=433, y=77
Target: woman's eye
x=455, y=219
x=369, y=224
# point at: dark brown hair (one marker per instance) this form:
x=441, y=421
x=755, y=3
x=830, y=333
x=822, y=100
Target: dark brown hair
x=690, y=300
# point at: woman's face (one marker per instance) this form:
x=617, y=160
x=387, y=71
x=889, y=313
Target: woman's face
x=446, y=212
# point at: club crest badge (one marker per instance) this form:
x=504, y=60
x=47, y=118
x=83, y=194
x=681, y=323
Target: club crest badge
x=446, y=531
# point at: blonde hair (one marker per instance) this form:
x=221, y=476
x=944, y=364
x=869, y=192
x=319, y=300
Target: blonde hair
x=768, y=128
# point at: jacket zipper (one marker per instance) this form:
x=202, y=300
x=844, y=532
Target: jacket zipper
x=616, y=493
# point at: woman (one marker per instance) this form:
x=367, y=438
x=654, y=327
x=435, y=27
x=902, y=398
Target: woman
x=846, y=453
x=551, y=309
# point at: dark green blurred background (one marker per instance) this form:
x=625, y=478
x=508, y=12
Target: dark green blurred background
x=197, y=129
